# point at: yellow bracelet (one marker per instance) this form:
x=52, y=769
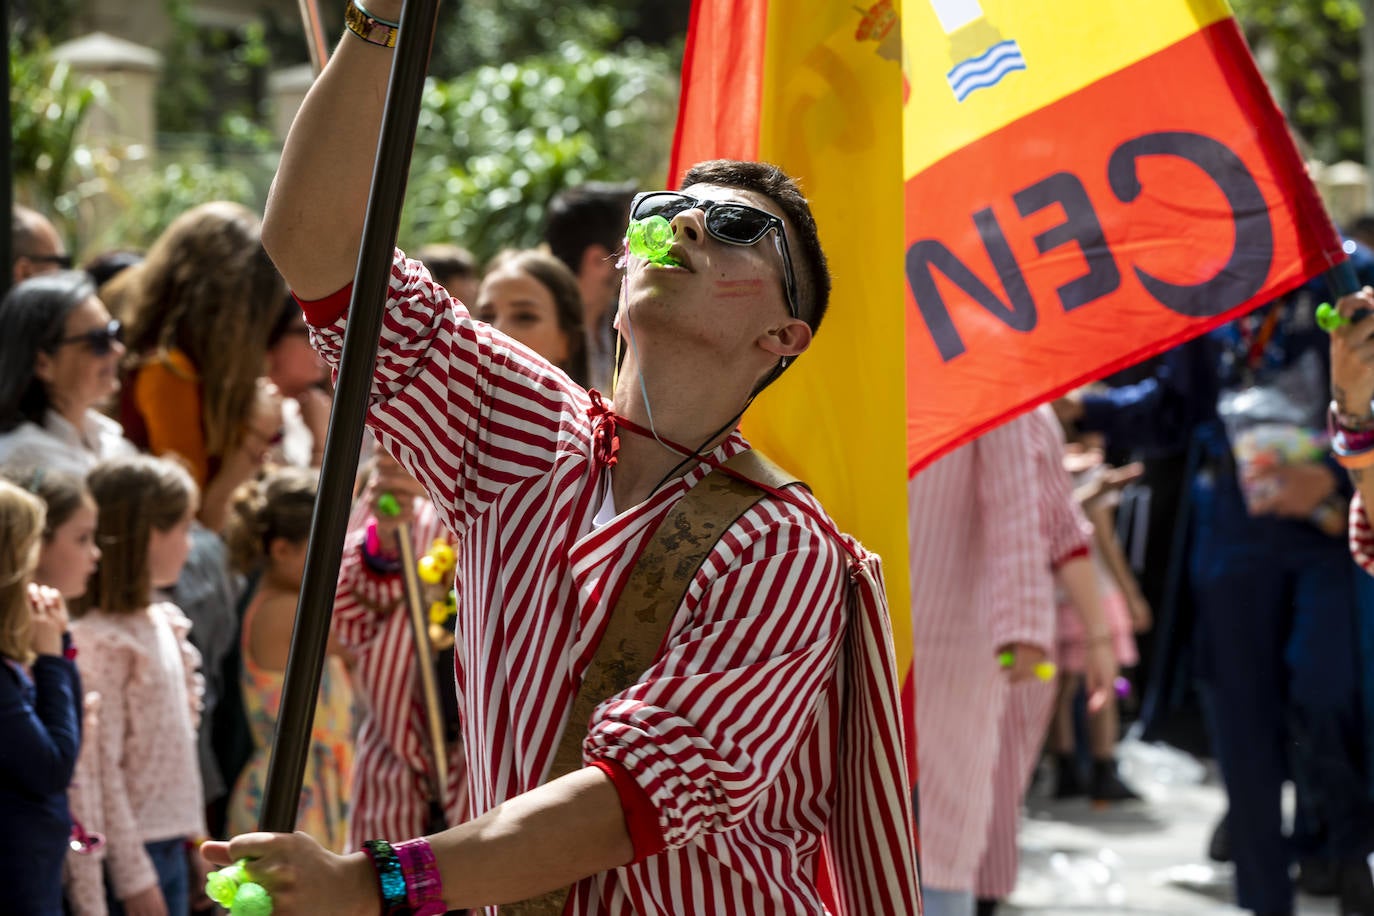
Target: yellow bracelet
x=368, y=27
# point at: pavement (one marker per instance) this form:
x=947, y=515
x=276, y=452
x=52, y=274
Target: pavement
x=1147, y=858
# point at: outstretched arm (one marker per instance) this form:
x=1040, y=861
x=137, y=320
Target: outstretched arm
x=313, y=224
x=544, y=839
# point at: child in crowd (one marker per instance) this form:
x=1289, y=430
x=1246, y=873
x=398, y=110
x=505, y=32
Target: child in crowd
x=39, y=716
x=66, y=563
x=135, y=653
x=1097, y=490
x=267, y=534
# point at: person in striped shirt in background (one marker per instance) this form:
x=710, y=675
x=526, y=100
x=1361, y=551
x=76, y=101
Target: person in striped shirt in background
x=717, y=783
x=992, y=526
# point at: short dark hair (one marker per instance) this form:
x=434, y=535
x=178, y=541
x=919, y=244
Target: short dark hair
x=595, y=213
x=1363, y=225
x=444, y=260
x=33, y=315
x=107, y=265
x=813, y=282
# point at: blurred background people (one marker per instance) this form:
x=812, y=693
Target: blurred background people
x=204, y=302
x=59, y=363
x=584, y=227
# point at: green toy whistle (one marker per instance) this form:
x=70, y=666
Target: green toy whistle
x=231, y=889
x=652, y=240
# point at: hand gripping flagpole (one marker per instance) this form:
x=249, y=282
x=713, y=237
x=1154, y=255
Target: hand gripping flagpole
x=329, y=524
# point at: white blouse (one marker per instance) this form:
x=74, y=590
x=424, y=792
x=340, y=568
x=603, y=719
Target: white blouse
x=61, y=446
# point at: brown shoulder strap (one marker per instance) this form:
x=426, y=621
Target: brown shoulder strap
x=657, y=584
x=640, y=619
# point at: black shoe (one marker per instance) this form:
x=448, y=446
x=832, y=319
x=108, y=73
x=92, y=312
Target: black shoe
x=1319, y=877
x=1068, y=782
x=1219, y=847
x=1107, y=787
x=1357, y=890
x=987, y=906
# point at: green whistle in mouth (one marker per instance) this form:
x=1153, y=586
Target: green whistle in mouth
x=652, y=240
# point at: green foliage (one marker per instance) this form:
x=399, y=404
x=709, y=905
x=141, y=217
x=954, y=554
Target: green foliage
x=153, y=200
x=211, y=79
x=1311, y=49
x=52, y=170
x=494, y=145
x=35, y=23
x=478, y=33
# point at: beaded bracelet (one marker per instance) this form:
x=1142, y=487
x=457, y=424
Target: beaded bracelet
x=391, y=880
x=424, y=884
x=369, y=28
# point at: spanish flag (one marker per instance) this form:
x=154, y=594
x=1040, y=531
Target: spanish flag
x=816, y=88
x=1016, y=198
x=1087, y=183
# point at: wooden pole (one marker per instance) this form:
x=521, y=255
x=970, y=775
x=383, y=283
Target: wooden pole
x=429, y=688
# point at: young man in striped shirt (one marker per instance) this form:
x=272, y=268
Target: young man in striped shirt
x=709, y=785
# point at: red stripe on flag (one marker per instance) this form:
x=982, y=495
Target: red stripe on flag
x=1137, y=213
x=722, y=84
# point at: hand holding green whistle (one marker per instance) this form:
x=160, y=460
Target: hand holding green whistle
x=231, y=889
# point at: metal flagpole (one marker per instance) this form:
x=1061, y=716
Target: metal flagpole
x=429, y=689
x=330, y=521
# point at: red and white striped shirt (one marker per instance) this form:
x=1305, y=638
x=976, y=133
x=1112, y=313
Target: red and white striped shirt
x=981, y=550
x=390, y=789
x=725, y=752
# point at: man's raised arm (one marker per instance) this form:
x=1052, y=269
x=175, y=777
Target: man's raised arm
x=314, y=219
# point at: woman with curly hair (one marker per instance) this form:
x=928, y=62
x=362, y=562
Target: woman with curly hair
x=200, y=309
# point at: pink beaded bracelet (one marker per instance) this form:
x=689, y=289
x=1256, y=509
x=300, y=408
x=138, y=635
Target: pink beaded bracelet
x=424, y=885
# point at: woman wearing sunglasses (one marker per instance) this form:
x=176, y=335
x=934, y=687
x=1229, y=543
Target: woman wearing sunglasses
x=59, y=362
x=719, y=781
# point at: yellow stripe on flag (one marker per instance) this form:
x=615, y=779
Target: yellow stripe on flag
x=1066, y=45
x=838, y=417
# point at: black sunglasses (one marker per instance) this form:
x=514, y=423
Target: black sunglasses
x=726, y=221
x=63, y=261
x=99, y=341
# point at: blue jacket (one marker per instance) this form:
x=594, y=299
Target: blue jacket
x=1163, y=414
x=40, y=734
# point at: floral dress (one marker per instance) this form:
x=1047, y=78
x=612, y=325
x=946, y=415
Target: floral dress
x=323, y=810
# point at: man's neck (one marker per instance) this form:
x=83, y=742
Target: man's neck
x=683, y=413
